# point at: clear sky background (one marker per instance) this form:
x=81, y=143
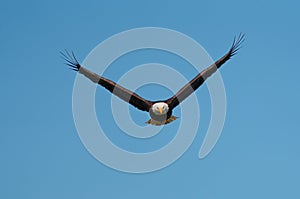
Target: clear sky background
x=257, y=155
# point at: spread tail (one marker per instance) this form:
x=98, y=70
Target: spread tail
x=159, y=123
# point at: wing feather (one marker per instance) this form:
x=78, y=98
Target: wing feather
x=195, y=83
x=121, y=92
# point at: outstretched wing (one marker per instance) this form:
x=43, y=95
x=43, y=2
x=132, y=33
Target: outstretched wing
x=195, y=83
x=123, y=93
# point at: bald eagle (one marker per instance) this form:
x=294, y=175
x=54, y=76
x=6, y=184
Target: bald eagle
x=160, y=111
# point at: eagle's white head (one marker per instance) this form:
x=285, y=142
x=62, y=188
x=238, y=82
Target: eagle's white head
x=160, y=108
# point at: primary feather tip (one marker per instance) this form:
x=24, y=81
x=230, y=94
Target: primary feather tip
x=70, y=60
x=237, y=42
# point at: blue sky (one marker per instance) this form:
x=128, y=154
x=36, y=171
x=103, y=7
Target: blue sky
x=257, y=155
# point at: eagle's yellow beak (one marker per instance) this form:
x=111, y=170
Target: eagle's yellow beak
x=160, y=110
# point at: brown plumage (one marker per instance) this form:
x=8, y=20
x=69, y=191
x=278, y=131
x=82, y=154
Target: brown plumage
x=160, y=111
